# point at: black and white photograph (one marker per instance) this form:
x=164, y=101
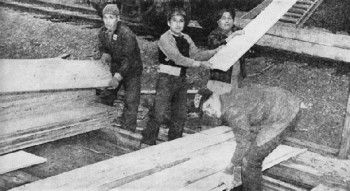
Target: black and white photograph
x=175, y=95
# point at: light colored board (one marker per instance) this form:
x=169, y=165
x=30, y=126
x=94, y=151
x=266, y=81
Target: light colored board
x=322, y=187
x=313, y=147
x=208, y=161
x=345, y=138
x=307, y=48
x=313, y=169
x=281, y=153
x=311, y=35
x=18, y=160
x=213, y=160
x=126, y=168
x=25, y=75
x=240, y=44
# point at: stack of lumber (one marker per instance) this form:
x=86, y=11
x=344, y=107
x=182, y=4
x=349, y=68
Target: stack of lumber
x=193, y=162
x=31, y=119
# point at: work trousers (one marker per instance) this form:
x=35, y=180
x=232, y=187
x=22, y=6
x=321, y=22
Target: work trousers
x=171, y=95
x=255, y=155
x=132, y=90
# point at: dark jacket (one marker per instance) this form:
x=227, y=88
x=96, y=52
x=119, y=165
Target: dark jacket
x=258, y=114
x=125, y=51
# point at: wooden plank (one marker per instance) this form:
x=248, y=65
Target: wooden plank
x=321, y=149
x=311, y=169
x=213, y=160
x=234, y=49
x=310, y=35
x=322, y=187
x=18, y=160
x=126, y=168
x=25, y=75
x=254, y=12
x=15, y=179
x=345, y=138
x=309, y=12
x=280, y=154
x=306, y=48
x=54, y=131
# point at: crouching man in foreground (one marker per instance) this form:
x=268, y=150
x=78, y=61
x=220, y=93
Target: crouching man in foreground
x=260, y=118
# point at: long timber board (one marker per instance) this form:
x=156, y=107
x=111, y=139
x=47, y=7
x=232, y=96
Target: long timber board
x=30, y=75
x=240, y=44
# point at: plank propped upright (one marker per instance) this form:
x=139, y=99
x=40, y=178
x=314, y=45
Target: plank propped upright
x=26, y=75
x=18, y=160
x=239, y=45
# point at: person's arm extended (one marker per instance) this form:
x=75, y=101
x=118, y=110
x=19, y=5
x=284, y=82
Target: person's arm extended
x=201, y=55
x=244, y=134
x=167, y=45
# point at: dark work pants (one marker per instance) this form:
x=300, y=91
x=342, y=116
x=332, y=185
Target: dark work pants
x=171, y=94
x=254, y=157
x=132, y=89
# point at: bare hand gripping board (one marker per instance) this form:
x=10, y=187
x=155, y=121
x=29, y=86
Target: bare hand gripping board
x=240, y=44
x=27, y=75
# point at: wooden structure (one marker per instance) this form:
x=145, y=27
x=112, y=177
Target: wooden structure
x=14, y=161
x=296, y=16
x=21, y=75
x=239, y=45
x=193, y=162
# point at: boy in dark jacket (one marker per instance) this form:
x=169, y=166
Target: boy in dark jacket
x=177, y=52
x=260, y=118
x=119, y=49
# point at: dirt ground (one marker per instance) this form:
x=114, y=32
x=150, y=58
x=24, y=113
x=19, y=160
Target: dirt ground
x=323, y=85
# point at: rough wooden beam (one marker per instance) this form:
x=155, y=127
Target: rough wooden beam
x=234, y=49
x=311, y=169
x=23, y=75
x=322, y=187
x=345, y=138
x=120, y=170
x=14, y=161
x=321, y=149
x=313, y=42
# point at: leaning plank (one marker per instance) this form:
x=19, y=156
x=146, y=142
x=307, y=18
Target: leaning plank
x=18, y=160
x=281, y=153
x=132, y=166
x=234, y=49
x=345, y=140
x=23, y=75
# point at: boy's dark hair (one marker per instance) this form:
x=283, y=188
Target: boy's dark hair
x=176, y=11
x=202, y=96
x=220, y=12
